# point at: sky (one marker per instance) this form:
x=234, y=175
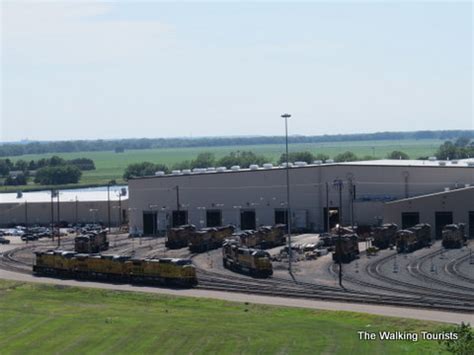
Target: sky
x=88, y=70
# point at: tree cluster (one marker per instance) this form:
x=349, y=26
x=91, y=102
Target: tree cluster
x=119, y=145
x=462, y=148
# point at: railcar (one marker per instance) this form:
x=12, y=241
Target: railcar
x=413, y=238
x=245, y=260
x=346, y=248
x=385, y=235
x=165, y=271
x=179, y=237
x=454, y=236
x=209, y=238
x=91, y=242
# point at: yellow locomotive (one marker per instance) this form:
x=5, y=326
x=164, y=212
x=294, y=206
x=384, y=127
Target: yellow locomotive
x=250, y=261
x=454, y=236
x=209, y=238
x=166, y=271
x=92, y=242
x=179, y=237
x=346, y=248
x=413, y=238
x=384, y=236
x=264, y=237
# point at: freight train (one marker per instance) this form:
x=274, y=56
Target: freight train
x=167, y=271
x=209, y=238
x=384, y=236
x=249, y=261
x=91, y=242
x=414, y=238
x=264, y=237
x=346, y=248
x=454, y=236
x=179, y=237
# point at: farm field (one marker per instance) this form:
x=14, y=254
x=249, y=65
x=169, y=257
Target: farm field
x=111, y=165
x=41, y=319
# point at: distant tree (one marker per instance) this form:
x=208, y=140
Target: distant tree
x=297, y=156
x=21, y=165
x=56, y=161
x=17, y=180
x=55, y=175
x=346, y=156
x=204, y=160
x=185, y=164
x=32, y=165
x=368, y=157
x=242, y=158
x=119, y=149
x=450, y=151
x=396, y=154
x=143, y=169
x=321, y=156
x=4, y=167
x=462, y=142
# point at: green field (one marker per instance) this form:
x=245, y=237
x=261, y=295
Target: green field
x=110, y=165
x=46, y=319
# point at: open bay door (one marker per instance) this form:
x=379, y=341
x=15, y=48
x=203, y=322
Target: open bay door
x=300, y=219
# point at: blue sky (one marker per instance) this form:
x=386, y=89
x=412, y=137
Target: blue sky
x=86, y=70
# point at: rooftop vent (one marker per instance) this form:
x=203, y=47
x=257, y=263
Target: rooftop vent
x=253, y=167
x=317, y=162
x=176, y=172
x=159, y=173
x=186, y=171
x=198, y=170
x=300, y=163
x=211, y=170
x=432, y=159
x=235, y=168
x=470, y=163
x=446, y=189
x=221, y=169
x=454, y=161
x=283, y=165
x=267, y=165
x=442, y=163
x=329, y=161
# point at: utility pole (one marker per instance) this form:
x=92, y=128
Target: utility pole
x=288, y=206
x=328, y=227
x=52, y=214
x=338, y=184
x=59, y=223
x=339, y=254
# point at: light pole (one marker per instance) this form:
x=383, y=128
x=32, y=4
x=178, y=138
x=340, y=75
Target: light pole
x=288, y=208
x=339, y=253
x=154, y=218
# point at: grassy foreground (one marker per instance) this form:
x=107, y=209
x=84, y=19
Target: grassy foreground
x=110, y=165
x=47, y=319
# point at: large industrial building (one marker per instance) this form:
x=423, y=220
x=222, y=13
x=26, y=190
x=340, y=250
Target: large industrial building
x=322, y=194
x=72, y=206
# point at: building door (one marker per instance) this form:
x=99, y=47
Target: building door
x=471, y=225
x=410, y=219
x=247, y=219
x=149, y=223
x=179, y=218
x=333, y=217
x=213, y=218
x=442, y=219
x=281, y=216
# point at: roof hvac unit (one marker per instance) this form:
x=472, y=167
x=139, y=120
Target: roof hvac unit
x=283, y=165
x=235, y=168
x=329, y=161
x=176, y=172
x=253, y=167
x=268, y=166
x=198, y=170
x=467, y=185
x=454, y=161
x=432, y=159
x=211, y=170
x=300, y=163
x=470, y=163
x=221, y=169
x=442, y=163
x=159, y=173
x=186, y=171
x=317, y=162
x=446, y=189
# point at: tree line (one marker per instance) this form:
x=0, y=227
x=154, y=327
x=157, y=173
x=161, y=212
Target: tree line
x=120, y=145
x=52, y=171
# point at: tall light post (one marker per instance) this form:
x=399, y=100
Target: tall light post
x=288, y=208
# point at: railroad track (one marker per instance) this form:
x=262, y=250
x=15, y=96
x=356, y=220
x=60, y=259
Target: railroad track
x=451, y=268
x=416, y=270
x=221, y=282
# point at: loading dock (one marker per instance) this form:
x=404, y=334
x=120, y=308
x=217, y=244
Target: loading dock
x=213, y=218
x=149, y=222
x=179, y=218
x=442, y=219
x=410, y=219
x=248, y=219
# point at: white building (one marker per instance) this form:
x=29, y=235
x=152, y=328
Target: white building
x=257, y=196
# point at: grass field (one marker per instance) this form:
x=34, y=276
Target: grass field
x=110, y=165
x=44, y=319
